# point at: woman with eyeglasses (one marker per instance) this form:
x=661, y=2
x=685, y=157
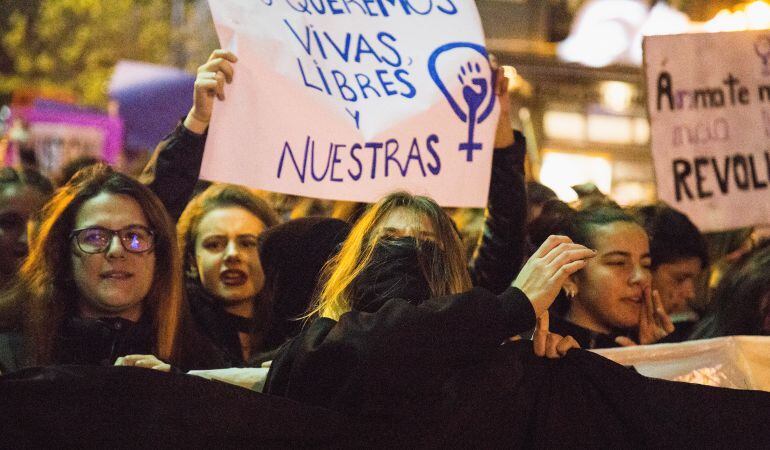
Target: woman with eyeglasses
x=103, y=279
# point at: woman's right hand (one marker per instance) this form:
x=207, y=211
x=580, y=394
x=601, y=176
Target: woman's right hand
x=209, y=83
x=547, y=269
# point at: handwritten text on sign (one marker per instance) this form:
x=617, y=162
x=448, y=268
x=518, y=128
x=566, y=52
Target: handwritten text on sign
x=352, y=99
x=709, y=103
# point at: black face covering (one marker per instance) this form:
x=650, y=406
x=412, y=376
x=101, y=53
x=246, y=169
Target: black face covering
x=397, y=269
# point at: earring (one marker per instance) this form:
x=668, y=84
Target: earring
x=570, y=293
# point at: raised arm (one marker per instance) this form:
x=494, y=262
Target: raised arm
x=173, y=169
x=501, y=248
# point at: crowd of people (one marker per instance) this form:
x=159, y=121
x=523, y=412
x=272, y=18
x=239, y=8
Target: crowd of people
x=372, y=311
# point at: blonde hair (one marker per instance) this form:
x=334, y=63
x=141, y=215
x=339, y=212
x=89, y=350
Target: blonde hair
x=446, y=274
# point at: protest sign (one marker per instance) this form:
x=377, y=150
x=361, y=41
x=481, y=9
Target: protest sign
x=708, y=97
x=59, y=134
x=739, y=362
x=352, y=99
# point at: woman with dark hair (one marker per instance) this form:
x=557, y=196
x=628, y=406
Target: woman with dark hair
x=218, y=236
x=103, y=278
x=610, y=302
x=741, y=303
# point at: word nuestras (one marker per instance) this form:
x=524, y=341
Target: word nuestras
x=339, y=162
x=701, y=177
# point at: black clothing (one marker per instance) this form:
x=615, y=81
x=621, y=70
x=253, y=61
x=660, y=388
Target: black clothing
x=216, y=324
x=436, y=372
x=395, y=360
x=102, y=341
x=173, y=168
x=128, y=407
x=292, y=256
x=502, y=249
x=587, y=339
x=11, y=351
x=397, y=269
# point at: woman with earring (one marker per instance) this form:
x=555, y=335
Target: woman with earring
x=610, y=302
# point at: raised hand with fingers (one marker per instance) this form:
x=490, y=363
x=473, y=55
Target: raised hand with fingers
x=504, y=132
x=547, y=269
x=209, y=84
x=550, y=345
x=146, y=361
x=654, y=323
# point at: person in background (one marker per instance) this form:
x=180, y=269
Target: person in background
x=22, y=195
x=679, y=255
x=104, y=279
x=741, y=304
x=611, y=302
x=537, y=196
x=69, y=169
x=219, y=233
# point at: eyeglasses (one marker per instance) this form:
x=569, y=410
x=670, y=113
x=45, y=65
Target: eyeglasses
x=135, y=239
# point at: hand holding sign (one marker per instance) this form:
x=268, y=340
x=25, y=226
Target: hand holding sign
x=355, y=101
x=209, y=83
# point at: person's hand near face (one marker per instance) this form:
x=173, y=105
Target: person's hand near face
x=112, y=282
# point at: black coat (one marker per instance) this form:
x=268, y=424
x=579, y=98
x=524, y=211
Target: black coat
x=438, y=374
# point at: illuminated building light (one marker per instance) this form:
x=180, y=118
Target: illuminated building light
x=610, y=129
x=564, y=125
x=560, y=171
x=617, y=95
x=641, y=131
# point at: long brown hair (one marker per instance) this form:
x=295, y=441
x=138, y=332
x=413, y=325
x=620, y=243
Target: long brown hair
x=46, y=281
x=446, y=275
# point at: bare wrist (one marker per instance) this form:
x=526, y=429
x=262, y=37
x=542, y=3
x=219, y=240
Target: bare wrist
x=195, y=124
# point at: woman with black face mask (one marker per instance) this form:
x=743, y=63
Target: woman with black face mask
x=401, y=340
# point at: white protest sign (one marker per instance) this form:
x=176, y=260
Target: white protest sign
x=740, y=362
x=708, y=97
x=352, y=99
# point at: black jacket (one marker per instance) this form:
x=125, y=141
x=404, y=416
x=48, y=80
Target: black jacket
x=393, y=362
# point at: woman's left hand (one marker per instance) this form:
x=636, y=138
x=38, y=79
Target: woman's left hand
x=654, y=323
x=550, y=345
x=146, y=361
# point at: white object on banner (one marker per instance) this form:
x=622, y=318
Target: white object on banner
x=708, y=98
x=739, y=362
x=352, y=100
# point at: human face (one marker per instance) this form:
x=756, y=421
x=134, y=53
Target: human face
x=17, y=204
x=226, y=255
x=402, y=222
x=115, y=282
x=675, y=281
x=610, y=288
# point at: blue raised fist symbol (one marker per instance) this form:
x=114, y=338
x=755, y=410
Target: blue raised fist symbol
x=475, y=90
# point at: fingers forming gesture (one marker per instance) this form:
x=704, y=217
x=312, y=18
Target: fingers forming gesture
x=550, y=345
